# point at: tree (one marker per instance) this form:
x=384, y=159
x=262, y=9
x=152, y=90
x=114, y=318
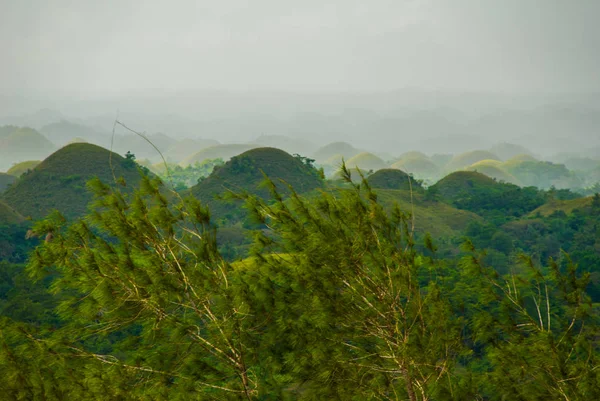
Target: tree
x=150, y=274
x=334, y=302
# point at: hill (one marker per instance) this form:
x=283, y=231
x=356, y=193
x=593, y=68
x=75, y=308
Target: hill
x=566, y=206
x=418, y=165
x=64, y=132
x=365, y=161
x=437, y=218
x=23, y=144
x=520, y=158
x=392, y=179
x=187, y=147
x=245, y=173
x=544, y=174
x=59, y=181
x=8, y=215
x=493, y=169
x=18, y=169
x=476, y=192
x=225, y=152
x=463, y=182
x=507, y=151
x=6, y=180
x=466, y=159
x=333, y=149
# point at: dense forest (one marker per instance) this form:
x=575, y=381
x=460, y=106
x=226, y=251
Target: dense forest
x=263, y=277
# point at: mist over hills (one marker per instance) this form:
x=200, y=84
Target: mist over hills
x=427, y=121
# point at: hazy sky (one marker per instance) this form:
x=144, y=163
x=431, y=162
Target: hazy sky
x=122, y=46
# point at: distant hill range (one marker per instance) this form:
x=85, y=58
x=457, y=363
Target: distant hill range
x=22, y=143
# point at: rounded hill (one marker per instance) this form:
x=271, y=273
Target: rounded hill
x=59, y=181
x=493, y=170
x=461, y=182
x=334, y=149
x=389, y=178
x=366, y=161
x=466, y=159
x=245, y=173
x=419, y=166
x=18, y=169
x=225, y=152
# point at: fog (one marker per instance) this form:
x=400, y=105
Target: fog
x=430, y=75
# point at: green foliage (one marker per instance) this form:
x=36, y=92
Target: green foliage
x=338, y=298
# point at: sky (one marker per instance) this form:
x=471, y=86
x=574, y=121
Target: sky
x=119, y=47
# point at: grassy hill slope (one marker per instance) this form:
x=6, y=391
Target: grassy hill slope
x=6, y=180
x=8, y=215
x=392, y=179
x=334, y=149
x=566, y=206
x=366, y=161
x=243, y=173
x=463, y=160
x=59, y=181
x=20, y=168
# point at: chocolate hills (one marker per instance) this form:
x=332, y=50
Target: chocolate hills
x=59, y=182
x=19, y=168
x=245, y=173
x=389, y=178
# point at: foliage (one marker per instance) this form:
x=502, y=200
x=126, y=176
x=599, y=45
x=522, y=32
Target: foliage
x=337, y=300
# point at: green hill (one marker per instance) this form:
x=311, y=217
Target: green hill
x=469, y=190
x=6, y=180
x=8, y=215
x=566, y=206
x=225, y=152
x=18, y=169
x=462, y=182
x=59, y=181
x=365, y=161
x=392, y=179
x=23, y=144
x=544, y=174
x=437, y=218
x=333, y=149
x=493, y=169
x=244, y=173
x=466, y=159
x=520, y=158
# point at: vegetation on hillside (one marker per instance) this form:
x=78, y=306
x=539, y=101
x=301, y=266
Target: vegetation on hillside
x=336, y=300
x=59, y=182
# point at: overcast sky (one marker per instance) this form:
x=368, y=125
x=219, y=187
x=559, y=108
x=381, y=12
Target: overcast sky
x=123, y=46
